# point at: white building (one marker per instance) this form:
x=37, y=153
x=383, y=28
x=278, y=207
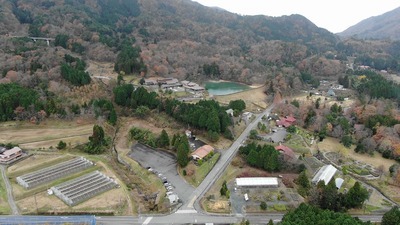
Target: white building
x=257, y=182
x=325, y=173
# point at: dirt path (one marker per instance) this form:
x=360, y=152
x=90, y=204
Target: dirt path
x=10, y=196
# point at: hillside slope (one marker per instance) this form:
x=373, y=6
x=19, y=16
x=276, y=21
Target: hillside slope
x=177, y=37
x=385, y=26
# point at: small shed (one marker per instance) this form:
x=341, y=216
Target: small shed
x=257, y=182
x=339, y=182
x=229, y=112
x=173, y=199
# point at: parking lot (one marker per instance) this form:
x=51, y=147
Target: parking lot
x=164, y=165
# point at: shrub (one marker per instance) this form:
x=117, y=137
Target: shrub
x=263, y=205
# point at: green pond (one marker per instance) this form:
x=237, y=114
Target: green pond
x=225, y=88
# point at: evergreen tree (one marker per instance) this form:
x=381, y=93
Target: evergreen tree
x=113, y=117
x=163, y=140
x=391, y=217
x=96, y=141
x=182, y=155
x=356, y=196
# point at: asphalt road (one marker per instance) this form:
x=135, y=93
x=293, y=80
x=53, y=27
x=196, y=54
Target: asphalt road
x=221, y=165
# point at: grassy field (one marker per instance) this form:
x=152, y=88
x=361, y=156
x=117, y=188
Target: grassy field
x=4, y=207
x=199, y=172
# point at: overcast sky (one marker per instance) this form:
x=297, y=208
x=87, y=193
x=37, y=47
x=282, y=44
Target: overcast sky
x=334, y=15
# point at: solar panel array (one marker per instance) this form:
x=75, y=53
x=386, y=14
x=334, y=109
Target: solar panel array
x=84, y=187
x=54, y=172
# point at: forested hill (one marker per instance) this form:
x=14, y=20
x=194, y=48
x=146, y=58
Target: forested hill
x=177, y=37
x=385, y=26
x=173, y=38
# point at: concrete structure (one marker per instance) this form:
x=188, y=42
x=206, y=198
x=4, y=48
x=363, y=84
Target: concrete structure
x=325, y=174
x=202, y=152
x=8, y=155
x=257, y=182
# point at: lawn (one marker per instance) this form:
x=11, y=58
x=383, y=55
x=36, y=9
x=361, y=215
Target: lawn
x=200, y=171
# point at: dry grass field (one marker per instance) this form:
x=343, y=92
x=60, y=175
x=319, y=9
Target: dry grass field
x=254, y=98
x=333, y=145
x=47, y=133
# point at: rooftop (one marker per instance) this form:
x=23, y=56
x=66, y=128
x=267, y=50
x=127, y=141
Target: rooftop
x=257, y=181
x=325, y=173
x=203, y=151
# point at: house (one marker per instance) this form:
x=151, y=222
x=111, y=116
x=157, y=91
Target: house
x=150, y=82
x=195, y=89
x=168, y=81
x=229, y=112
x=10, y=154
x=246, y=116
x=286, y=151
x=325, y=174
x=271, y=182
x=202, y=152
x=286, y=121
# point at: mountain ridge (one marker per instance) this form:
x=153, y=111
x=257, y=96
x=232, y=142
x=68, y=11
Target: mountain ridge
x=385, y=26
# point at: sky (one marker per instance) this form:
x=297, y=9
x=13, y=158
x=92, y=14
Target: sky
x=334, y=15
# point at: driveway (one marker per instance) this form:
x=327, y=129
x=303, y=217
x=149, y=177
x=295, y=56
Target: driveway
x=164, y=163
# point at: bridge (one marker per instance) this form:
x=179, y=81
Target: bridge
x=42, y=38
x=33, y=38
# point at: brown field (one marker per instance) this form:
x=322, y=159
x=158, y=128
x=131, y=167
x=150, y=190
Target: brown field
x=46, y=134
x=254, y=98
x=333, y=145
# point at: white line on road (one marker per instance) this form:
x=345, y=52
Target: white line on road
x=147, y=221
x=186, y=211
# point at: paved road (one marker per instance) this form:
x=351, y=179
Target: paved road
x=224, y=161
x=10, y=196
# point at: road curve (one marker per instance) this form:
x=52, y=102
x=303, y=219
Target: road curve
x=10, y=196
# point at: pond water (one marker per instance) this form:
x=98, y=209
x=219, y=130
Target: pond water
x=225, y=88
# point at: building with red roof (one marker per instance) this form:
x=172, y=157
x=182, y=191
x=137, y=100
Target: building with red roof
x=202, y=152
x=287, y=152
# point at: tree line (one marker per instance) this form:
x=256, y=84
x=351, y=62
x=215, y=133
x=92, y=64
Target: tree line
x=261, y=156
x=14, y=95
x=73, y=70
x=206, y=114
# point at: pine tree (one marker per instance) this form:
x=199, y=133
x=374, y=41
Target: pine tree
x=163, y=140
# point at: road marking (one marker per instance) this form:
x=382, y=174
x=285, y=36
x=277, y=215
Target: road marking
x=190, y=205
x=147, y=221
x=184, y=211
